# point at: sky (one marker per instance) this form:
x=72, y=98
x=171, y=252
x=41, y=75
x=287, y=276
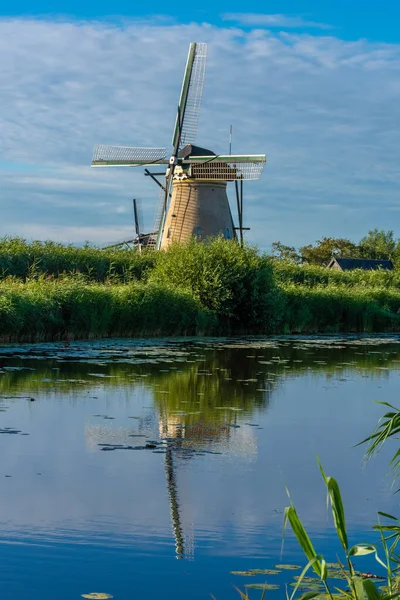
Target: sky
x=314, y=86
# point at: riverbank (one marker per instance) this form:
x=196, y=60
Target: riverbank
x=54, y=292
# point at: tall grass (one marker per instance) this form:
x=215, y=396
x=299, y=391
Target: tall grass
x=240, y=291
x=45, y=309
x=311, y=276
x=336, y=308
x=21, y=259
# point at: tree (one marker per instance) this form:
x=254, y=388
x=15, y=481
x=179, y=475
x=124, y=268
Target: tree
x=326, y=248
x=288, y=253
x=378, y=244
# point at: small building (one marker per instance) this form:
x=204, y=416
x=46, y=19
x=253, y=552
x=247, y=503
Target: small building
x=367, y=264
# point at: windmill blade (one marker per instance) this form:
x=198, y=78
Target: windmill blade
x=227, y=167
x=190, y=99
x=127, y=156
x=136, y=217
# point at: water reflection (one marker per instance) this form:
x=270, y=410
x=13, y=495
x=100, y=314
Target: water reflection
x=204, y=434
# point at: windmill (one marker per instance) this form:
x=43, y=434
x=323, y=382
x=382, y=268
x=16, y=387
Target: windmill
x=141, y=240
x=194, y=201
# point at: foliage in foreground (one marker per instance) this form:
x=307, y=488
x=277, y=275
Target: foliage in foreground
x=358, y=588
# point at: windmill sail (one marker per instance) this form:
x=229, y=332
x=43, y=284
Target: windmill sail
x=127, y=156
x=227, y=167
x=187, y=118
x=194, y=199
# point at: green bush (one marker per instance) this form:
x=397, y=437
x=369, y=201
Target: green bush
x=235, y=283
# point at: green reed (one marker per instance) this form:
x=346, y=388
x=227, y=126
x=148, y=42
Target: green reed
x=359, y=587
x=43, y=308
x=311, y=275
x=336, y=308
x=24, y=260
x=225, y=289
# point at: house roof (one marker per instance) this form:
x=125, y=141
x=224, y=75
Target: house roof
x=348, y=264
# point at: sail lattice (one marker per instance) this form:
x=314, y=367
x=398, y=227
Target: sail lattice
x=119, y=156
x=226, y=169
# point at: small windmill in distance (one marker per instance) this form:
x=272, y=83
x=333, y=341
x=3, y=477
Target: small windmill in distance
x=142, y=240
x=194, y=201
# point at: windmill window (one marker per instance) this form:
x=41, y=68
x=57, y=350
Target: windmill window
x=227, y=233
x=169, y=232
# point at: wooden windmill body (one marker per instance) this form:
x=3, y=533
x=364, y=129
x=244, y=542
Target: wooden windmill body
x=194, y=201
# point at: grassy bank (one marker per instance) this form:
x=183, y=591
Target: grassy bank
x=71, y=308
x=49, y=291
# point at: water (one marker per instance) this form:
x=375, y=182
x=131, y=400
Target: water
x=86, y=506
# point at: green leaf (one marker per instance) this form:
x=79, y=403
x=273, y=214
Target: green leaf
x=370, y=590
x=243, y=596
x=301, y=577
x=358, y=587
x=361, y=550
x=383, y=514
x=335, y=498
x=291, y=516
x=310, y=595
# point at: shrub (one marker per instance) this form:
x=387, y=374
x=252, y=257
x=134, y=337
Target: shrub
x=235, y=283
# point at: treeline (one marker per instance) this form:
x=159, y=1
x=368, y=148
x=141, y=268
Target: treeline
x=53, y=292
x=378, y=245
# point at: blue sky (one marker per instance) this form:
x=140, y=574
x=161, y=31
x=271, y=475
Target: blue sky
x=316, y=87
x=351, y=20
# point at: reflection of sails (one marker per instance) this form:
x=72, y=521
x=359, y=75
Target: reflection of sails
x=183, y=442
x=174, y=501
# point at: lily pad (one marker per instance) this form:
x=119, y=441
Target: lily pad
x=252, y=572
x=262, y=586
x=265, y=571
x=97, y=596
x=288, y=567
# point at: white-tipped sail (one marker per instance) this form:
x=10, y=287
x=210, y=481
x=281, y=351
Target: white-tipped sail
x=227, y=167
x=127, y=156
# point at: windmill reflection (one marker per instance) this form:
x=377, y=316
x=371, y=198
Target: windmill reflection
x=174, y=503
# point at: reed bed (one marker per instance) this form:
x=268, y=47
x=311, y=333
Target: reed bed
x=50, y=291
x=24, y=260
x=72, y=308
x=337, y=308
x=311, y=275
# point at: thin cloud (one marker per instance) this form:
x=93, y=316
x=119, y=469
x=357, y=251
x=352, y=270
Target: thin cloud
x=273, y=20
x=324, y=110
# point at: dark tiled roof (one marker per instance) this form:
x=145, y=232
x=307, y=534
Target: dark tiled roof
x=348, y=264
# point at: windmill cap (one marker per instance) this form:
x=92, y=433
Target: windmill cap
x=192, y=150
